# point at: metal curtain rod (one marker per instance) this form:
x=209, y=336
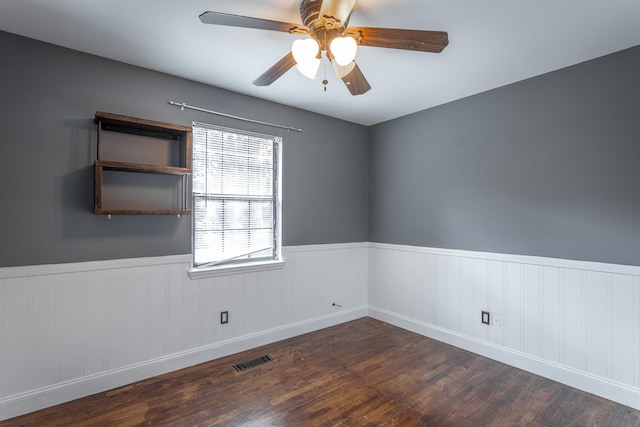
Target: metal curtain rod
x=182, y=106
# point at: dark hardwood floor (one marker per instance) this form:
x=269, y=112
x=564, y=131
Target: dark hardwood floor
x=361, y=373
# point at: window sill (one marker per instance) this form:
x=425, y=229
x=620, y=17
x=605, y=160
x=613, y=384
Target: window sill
x=201, y=273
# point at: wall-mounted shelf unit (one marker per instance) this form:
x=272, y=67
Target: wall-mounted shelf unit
x=142, y=166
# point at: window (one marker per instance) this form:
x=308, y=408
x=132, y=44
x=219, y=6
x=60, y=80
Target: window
x=236, y=203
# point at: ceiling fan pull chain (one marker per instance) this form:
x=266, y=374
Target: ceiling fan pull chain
x=325, y=82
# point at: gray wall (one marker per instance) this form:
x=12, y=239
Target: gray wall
x=49, y=97
x=549, y=166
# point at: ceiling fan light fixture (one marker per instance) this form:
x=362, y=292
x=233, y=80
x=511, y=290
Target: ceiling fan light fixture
x=342, y=70
x=344, y=50
x=305, y=52
x=309, y=69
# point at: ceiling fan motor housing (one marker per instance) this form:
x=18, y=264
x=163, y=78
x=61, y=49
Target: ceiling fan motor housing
x=323, y=29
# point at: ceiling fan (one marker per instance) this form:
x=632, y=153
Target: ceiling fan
x=326, y=24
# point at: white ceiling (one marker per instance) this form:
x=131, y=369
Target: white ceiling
x=491, y=43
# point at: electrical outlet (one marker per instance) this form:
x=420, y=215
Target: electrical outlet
x=486, y=318
x=497, y=319
x=224, y=317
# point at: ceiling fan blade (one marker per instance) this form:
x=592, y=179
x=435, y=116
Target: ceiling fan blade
x=276, y=71
x=424, y=41
x=218, y=18
x=340, y=10
x=356, y=82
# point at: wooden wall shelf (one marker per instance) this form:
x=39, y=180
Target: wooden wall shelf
x=156, y=148
x=139, y=167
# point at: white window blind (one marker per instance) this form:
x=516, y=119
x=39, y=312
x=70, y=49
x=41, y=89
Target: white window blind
x=235, y=196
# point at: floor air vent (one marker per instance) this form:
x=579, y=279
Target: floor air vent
x=254, y=362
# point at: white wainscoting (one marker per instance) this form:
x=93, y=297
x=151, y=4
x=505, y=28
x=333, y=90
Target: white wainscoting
x=71, y=330
x=575, y=322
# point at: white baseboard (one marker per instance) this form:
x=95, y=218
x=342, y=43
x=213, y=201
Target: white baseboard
x=598, y=386
x=34, y=400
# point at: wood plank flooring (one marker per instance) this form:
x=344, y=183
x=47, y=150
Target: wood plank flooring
x=361, y=373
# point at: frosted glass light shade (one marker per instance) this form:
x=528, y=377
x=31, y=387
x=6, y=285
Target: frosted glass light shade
x=343, y=49
x=342, y=70
x=305, y=52
x=309, y=69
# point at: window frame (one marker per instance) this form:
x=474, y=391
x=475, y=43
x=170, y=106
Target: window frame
x=245, y=265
